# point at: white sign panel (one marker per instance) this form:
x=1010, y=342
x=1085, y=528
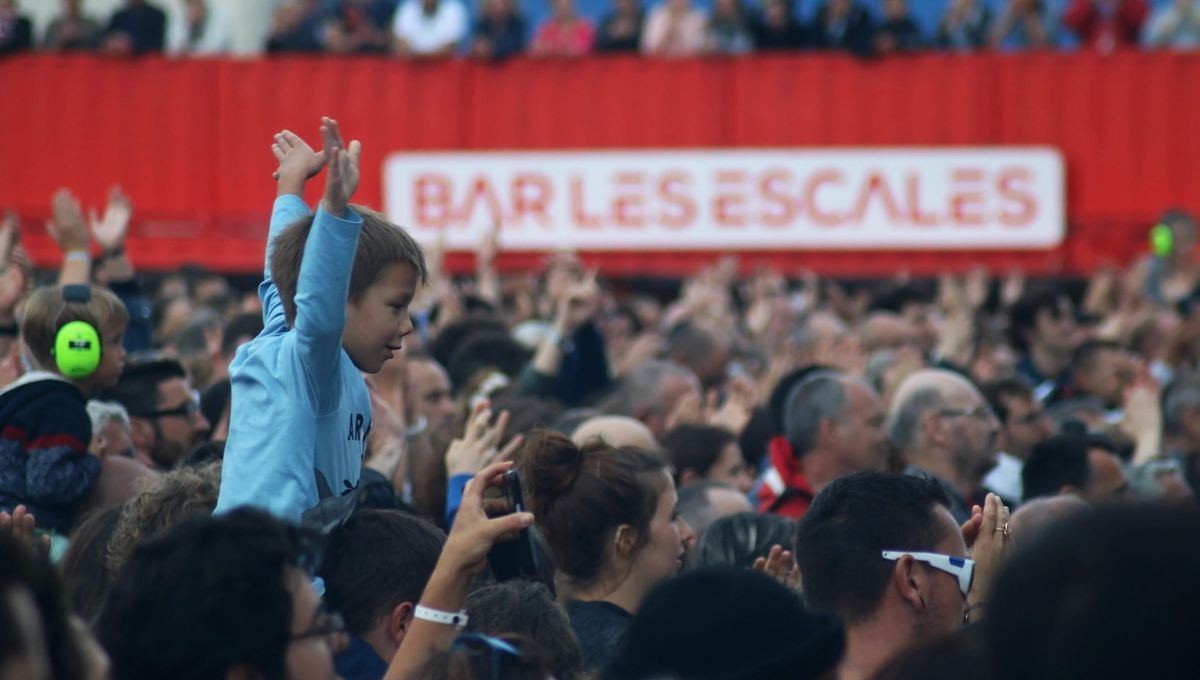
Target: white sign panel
x=861, y=199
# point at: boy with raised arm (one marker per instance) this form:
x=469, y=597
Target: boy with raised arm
x=335, y=296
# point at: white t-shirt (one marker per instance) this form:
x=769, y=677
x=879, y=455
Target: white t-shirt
x=1005, y=478
x=426, y=33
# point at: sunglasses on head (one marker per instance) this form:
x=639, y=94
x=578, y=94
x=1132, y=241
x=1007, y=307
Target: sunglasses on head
x=961, y=568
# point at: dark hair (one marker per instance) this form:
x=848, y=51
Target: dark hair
x=738, y=540
x=216, y=400
x=488, y=349
x=1105, y=593
x=733, y=624
x=452, y=336
x=998, y=391
x=696, y=447
x=375, y=561
x=689, y=343
x=1024, y=313
x=1054, y=463
x=526, y=413
x=85, y=575
x=581, y=496
x=1085, y=356
x=897, y=298
x=21, y=569
x=137, y=389
x=528, y=609
x=241, y=326
x=380, y=244
x=755, y=438
x=959, y=655
x=208, y=595
x=848, y=525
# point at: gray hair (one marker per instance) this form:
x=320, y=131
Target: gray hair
x=641, y=390
x=102, y=413
x=904, y=425
x=1181, y=397
x=816, y=398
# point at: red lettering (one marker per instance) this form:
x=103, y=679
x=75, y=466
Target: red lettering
x=578, y=209
x=531, y=194
x=912, y=185
x=773, y=187
x=823, y=219
x=480, y=187
x=1026, y=203
x=966, y=204
x=629, y=201
x=728, y=203
x=672, y=189
x=432, y=194
x=876, y=185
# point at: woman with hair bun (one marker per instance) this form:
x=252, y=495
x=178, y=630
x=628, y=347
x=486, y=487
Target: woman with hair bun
x=608, y=517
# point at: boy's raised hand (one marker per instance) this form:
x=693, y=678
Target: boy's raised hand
x=342, y=180
x=67, y=226
x=298, y=162
x=111, y=229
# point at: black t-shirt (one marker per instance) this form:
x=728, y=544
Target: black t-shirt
x=600, y=627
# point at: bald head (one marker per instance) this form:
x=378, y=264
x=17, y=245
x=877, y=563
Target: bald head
x=615, y=431
x=886, y=330
x=1037, y=515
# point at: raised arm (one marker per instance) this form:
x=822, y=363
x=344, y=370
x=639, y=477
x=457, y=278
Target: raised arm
x=70, y=232
x=324, y=283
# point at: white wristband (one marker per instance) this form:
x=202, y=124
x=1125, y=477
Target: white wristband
x=78, y=256
x=456, y=619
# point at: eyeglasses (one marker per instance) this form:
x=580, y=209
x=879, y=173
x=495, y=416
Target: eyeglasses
x=496, y=648
x=981, y=413
x=188, y=409
x=329, y=625
x=961, y=568
x=1032, y=418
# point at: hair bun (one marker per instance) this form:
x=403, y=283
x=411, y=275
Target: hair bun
x=552, y=464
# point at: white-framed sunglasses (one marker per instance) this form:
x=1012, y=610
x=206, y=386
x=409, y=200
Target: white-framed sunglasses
x=962, y=568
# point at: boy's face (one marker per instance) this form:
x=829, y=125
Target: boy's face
x=378, y=320
x=112, y=358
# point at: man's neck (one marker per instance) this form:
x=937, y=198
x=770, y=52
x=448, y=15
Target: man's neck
x=869, y=646
x=938, y=463
x=1049, y=363
x=820, y=467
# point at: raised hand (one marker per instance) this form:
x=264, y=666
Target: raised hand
x=577, y=305
x=67, y=226
x=780, y=565
x=478, y=446
x=735, y=413
x=21, y=525
x=342, y=180
x=111, y=229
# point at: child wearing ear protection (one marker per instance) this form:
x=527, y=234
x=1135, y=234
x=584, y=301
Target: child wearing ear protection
x=73, y=336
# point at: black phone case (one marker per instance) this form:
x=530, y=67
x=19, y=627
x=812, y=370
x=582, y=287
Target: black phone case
x=515, y=559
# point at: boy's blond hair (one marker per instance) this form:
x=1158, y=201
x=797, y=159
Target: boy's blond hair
x=46, y=312
x=380, y=243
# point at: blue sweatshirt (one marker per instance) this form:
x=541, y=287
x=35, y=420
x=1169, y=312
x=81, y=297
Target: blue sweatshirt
x=301, y=411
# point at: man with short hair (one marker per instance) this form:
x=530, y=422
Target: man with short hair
x=883, y=553
x=702, y=503
x=652, y=390
x=834, y=426
x=946, y=430
x=220, y=597
x=375, y=567
x=164, y=411
x=428, y=394
x=1074, y=464
x=704, y=349
x=1103, y=370
x=1023, y=424
x=915, y=308
x=1043, y=331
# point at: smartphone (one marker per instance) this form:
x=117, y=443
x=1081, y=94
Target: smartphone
x=515, y=558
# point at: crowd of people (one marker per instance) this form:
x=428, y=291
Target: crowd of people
x=371, y=468
x=498, y=29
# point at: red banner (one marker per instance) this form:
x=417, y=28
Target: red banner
x=189, y=140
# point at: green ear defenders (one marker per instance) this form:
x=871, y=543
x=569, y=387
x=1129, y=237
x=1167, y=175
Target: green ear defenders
x=77, y=344
x=1162, y=241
